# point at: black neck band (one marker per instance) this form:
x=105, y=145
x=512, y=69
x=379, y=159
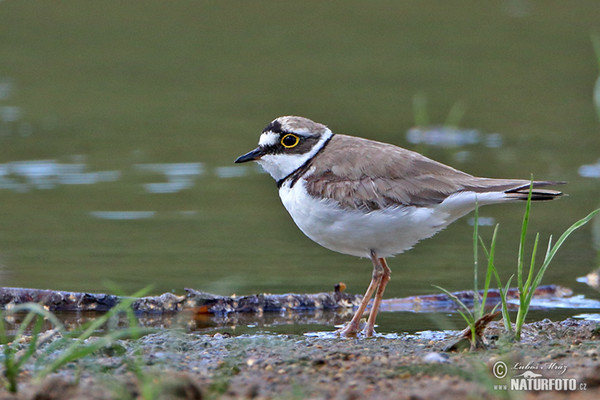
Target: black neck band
x=297, y=173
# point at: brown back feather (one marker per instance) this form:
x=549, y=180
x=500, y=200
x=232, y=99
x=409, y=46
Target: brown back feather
x=363, y=174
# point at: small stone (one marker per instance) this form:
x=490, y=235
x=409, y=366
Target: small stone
x=436, y=358
x=592, y=353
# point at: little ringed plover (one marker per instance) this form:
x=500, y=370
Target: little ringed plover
x=370, y=199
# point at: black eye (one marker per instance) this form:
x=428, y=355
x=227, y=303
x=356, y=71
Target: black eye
x=288, y=141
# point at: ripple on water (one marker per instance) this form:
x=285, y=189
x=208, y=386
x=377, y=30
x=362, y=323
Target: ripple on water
x=122, y=215
x=448, y=136
x=590, y=170
x=22, y=176
x=27, y=175
x=179, y=176
x=588, y=317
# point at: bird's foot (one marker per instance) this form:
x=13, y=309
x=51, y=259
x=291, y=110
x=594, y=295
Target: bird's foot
x=360, y=329
x=368, y=331
x=351, y=329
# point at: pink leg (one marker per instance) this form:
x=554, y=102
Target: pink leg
x=370, y=328
x=380, y=272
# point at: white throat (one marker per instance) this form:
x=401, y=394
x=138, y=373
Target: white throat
x=281, y=165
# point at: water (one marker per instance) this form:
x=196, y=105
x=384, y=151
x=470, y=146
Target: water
x=119, y=126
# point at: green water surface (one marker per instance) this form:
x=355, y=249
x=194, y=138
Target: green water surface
x=125, y=89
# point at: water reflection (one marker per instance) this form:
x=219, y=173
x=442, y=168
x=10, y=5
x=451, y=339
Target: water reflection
x=136, y=215
x=6, y=87
x=448, y=136
x=10, y=113
x=26, y=175
x=232, y=172
x=572, y=302
x=482, y=221
x=588, y=317
x=179, y=176
x=122, y=215
x=590, y=171
x=23, y=176
x=236, y=171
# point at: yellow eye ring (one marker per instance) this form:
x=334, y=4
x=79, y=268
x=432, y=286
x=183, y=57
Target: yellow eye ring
x=289, y=140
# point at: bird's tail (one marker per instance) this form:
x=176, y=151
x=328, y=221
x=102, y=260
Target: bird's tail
x=522, y=192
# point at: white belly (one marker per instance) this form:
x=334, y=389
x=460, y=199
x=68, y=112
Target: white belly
x=387, y=232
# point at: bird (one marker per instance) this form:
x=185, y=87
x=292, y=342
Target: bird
x=371, y=199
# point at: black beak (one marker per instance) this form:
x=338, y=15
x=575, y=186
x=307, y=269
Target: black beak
x=251, y=155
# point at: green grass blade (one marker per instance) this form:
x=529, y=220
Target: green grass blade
x=524, y=295
x=503, y=291
x=488, y=274
x=567, y=233
x=420, y=109
x=524, y=309
x=495, y=308
x=554, y=249
x=79, y=350
x=527, y=285
x=133, y=322
x=71, y=343
x=12, y=361
x=458, y=302
x=505, y=314
x=9, y=375
x=548, y=248
x=24, y=324
x=465, y=317
x=41, y=311
x=476, y=308
x=124, y=304
x=456, y=113
x=483, y=246
x=3, y=337
x=524, y=226
x=35, y=334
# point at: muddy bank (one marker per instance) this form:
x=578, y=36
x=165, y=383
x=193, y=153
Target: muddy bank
x=173, y=364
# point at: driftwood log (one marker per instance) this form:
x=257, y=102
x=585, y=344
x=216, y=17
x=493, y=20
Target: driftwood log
x=206, y=303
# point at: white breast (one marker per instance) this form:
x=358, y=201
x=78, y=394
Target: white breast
x=388, y=232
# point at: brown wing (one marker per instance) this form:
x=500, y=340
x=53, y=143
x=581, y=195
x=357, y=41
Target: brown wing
x=364, y=174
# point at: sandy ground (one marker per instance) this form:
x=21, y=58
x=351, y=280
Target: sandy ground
x=178, y=365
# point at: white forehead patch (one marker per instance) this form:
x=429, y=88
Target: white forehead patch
x=268, y=139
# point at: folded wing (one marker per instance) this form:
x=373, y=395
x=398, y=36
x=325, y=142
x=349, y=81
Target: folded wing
x=364, y=174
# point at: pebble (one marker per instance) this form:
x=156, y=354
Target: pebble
x=592, y=353
x=436, y=358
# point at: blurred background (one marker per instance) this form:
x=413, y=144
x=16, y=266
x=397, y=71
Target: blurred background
x=120, y=121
